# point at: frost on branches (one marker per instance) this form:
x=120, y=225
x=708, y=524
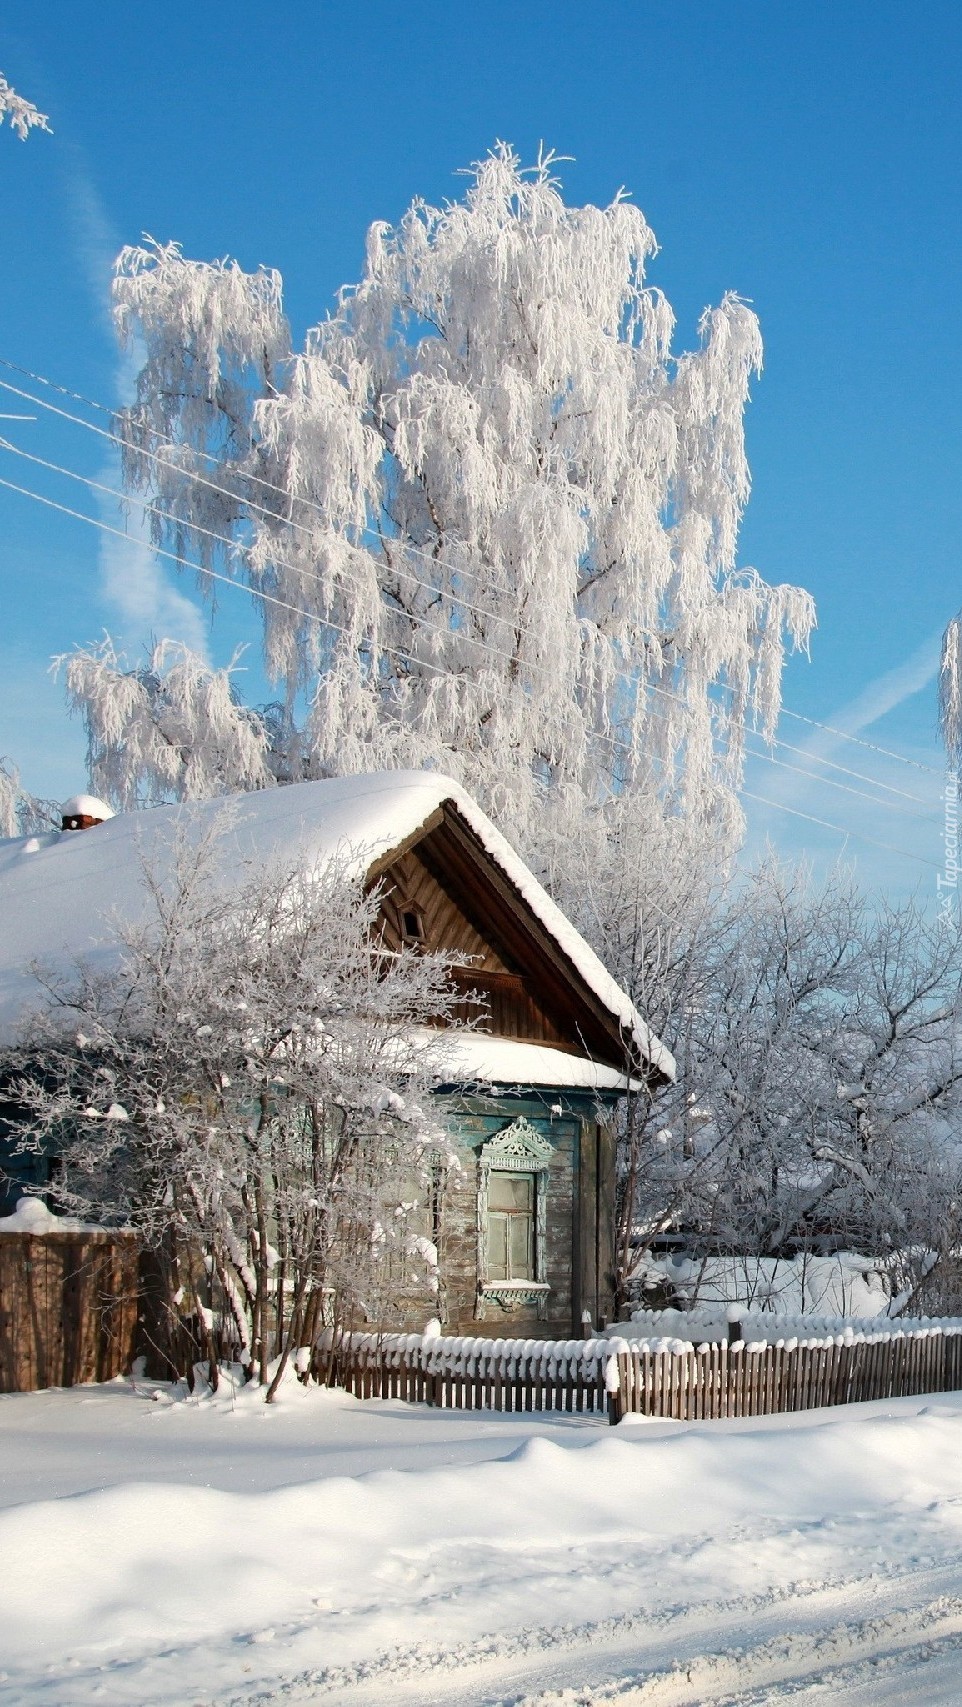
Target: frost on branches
x=172, y=728
x=249, y=1089
x=23, y=813
x=950, y=690
x=819, y=1096
x=491, y=519
x=22, y=116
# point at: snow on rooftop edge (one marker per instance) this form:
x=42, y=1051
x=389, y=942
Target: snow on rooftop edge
x=60, y=890
x=477, y=1055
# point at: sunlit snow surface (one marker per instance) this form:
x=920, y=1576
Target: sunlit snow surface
x=157, y=1549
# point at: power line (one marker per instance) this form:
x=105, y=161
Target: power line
x=804, y=753
x=41, y=379
x=185, y=563
x=409, y=659
x=829, y=782
x=238, y=586
x=858, y=835
x=487, y=646
x=176, y=467
x=224, y=539
x=872, y=746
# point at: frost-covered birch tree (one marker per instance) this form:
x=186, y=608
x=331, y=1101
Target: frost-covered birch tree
x=489, y=518
x=950, y=690
x=170, y=728
x=23, y=813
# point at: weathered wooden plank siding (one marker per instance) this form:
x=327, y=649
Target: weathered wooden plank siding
x=474, y=1122
x=446, y=925
x=508, y=1003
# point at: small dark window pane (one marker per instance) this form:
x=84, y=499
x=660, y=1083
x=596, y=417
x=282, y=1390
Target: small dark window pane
x=411, y=926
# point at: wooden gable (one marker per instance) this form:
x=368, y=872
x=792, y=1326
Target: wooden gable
x=444, y=882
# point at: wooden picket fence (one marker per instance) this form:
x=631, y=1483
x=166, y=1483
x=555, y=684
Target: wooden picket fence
x=615, y=1376
x=741, y=1380
x=469, y=1374
x=69, y=1308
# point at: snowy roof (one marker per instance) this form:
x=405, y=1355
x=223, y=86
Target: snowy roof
x=476, y=1056
x=59, y=891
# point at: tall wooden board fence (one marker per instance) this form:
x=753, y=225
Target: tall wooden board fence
x=69, y=1306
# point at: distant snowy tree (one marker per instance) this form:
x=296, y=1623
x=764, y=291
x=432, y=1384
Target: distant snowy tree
x=22, y=116
x=490, y=519
x=252, y=1084
x=819, y=1096
x=950, y=690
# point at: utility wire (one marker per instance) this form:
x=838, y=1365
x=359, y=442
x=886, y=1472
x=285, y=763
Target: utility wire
x=102, y=408
x=872, y=746
x=177, y=467
x=223, y=539
x=829, y=782
x=413, y=617
x=859, y=835
x=119, y=533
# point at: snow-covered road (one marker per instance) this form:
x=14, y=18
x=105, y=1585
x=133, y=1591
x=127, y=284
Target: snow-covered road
x=327, y=1551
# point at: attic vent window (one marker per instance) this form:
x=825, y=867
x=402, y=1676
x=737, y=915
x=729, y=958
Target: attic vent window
x=412, y=927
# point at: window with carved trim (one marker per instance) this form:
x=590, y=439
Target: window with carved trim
x=511, y=1203
x=513, y=1168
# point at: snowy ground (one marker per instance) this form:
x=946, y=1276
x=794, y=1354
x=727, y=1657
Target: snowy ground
x=331, y=1551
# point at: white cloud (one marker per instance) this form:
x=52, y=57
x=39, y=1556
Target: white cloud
x=890, y=689
x=134, y=581
x=135, y=584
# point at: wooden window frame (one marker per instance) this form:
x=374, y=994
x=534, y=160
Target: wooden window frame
x=410, y=910
x=520, y=1149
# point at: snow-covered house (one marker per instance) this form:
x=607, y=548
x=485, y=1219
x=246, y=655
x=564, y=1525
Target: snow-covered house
x=530, y=1222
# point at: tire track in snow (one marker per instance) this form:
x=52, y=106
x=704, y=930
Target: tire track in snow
x=843, y=1656
x=389, y=1675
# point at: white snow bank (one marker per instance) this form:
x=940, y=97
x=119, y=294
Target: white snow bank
x=705, y=1327
x=662, y=1535
x=59, y=891
x=843, y=1285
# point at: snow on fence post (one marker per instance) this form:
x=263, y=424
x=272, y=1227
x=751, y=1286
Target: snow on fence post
x=616, y=1374
x=733, y=1316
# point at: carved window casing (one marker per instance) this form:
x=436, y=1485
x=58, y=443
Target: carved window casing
x=512, y=1217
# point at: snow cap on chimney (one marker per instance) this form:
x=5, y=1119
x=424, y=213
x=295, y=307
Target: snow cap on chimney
x=82, y=811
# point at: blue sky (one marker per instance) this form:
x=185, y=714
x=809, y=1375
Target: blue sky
x=807, y=157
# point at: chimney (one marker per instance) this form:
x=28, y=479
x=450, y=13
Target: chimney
x=83, y=811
